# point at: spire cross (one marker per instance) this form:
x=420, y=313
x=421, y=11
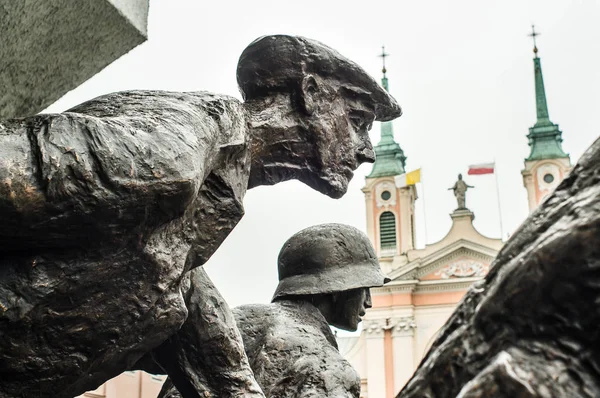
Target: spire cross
x=383, y=55
x=534, y=34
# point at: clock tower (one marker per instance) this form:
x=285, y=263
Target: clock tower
x=390, y=209
x=547, y=163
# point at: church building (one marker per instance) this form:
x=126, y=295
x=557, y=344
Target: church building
x=428, y=283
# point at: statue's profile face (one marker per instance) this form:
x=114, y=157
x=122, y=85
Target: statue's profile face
x=340, y=129
x=350, y=308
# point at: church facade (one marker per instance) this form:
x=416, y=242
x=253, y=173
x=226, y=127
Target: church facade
x=428, y=283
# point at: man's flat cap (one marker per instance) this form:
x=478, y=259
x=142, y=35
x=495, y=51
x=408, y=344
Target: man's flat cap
x=279, y=62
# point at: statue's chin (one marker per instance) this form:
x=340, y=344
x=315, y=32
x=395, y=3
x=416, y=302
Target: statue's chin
x=330, y=183
x=334, y=188
x=337, y=193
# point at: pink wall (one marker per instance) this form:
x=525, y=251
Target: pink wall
x=129, y=385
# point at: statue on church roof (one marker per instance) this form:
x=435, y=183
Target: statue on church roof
x=460, y=189
x=325, y=273
x=530, y=328
x=107, y=207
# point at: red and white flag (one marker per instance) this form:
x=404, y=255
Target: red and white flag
x=483, y=168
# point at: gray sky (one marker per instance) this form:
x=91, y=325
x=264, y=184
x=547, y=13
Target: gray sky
x=462, y=71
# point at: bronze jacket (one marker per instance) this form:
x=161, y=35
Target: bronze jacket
x=293, y=352
x=103, y=209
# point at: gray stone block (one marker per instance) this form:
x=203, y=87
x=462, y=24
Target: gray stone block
x=50, y=47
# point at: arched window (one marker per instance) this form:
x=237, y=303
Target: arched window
x=387, y=233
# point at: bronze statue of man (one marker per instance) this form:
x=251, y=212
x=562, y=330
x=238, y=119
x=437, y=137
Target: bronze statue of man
x=325, y=273
x=106, y=208
x=460, y=189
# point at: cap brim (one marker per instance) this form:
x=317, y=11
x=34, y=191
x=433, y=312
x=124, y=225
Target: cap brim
x=386, y=107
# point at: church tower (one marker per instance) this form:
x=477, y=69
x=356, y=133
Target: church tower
x=547, y=163
x=390, y=210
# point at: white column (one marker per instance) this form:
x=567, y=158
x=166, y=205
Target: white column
x=403, y=345
x=375, y=359
x=406, y=200
x=529, y=186
x=370, y=216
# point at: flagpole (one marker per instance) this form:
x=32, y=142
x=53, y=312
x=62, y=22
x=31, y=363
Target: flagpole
x=498, y=199
x=424, y=206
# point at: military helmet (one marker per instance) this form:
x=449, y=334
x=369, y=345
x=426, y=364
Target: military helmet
x=327, y=258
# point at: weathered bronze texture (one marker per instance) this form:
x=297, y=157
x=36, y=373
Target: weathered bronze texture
x=289, y=343
x=530, y=328
x=105, y=208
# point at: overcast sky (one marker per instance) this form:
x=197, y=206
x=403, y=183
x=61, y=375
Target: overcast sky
x=462, y=71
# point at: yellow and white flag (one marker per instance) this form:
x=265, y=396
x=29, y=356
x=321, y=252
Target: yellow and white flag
x=408, y=178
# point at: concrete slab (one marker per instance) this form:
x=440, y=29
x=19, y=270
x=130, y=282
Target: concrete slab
x=48, y=48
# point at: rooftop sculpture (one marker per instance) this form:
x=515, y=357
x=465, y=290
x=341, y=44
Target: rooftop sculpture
x=530, y=328
x=460, y=192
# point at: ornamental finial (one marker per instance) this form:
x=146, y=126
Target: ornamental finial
x=383, y=55
x=534, y=34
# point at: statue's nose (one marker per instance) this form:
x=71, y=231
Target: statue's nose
x=366, y=156
x=365, y=152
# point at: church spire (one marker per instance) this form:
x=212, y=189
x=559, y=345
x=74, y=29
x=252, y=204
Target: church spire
x=390, y=159
x=544, y=137
x=540, y=92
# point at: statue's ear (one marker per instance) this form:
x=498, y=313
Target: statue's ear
x=308, y=90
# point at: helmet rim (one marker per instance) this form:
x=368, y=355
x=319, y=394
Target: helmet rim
x=331, y=280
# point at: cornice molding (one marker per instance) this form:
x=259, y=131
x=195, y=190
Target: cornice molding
x=400, y=326
x=404, y=327
x=422, y=266
x=459, y=285
x=386, y=289
x=374, y=327
x=406, y=271
x=442, y=261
